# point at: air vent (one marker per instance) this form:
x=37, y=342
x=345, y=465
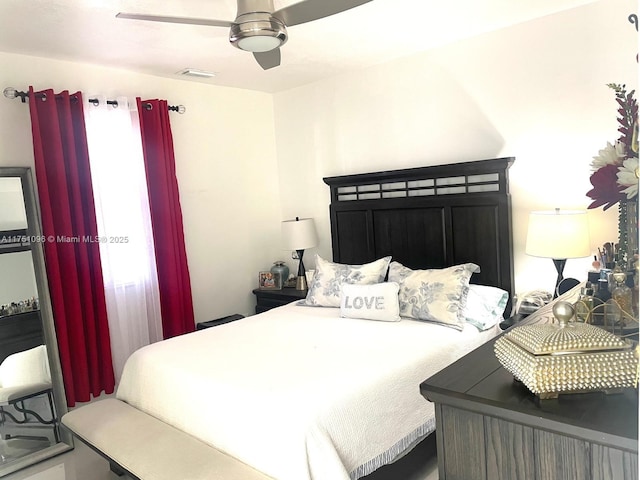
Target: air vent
x=192, y=72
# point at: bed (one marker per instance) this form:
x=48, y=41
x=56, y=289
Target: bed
x=318, y=391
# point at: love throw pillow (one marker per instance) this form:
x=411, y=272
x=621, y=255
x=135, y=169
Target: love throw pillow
x=370, y=302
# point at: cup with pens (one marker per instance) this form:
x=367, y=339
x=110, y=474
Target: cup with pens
x=603, y=264
x=606, y=256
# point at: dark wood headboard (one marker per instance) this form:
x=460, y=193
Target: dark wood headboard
x=429, y=217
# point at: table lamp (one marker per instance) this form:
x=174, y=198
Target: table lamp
x=298, y=235
x=559, y=235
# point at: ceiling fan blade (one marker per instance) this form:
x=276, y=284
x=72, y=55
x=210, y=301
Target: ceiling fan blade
x=268, y=59
x=309, y=10
x=185, y=20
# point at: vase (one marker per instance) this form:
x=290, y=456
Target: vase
x=281, y=268
x=628, y=247
x=628, y=234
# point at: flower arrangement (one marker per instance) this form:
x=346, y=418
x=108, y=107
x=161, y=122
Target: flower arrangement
x=615, y=168
x=615, y=175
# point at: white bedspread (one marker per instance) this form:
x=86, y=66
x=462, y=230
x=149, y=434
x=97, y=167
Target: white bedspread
x=298, y=392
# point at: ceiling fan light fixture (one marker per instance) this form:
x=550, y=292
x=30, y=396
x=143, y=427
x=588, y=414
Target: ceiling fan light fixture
x=257, y=32
x=259, y=43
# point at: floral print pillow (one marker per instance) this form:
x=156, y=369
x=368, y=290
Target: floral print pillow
x=437, y=295
x=326, y=285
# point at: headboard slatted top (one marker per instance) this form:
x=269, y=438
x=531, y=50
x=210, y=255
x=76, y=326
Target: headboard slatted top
x=427, y=217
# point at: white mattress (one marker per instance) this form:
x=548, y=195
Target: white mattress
x=298, y=392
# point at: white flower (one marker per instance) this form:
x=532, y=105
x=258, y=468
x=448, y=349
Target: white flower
x=628, y=177
x=609, y=155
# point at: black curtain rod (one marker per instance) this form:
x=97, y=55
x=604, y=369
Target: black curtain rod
x=11, y=92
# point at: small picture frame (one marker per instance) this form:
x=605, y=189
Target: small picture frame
x=269, y=281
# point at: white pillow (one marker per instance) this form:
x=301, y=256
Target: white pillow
x=485, y=306
x=437, y=295
x=371, y=302
x=325, y=287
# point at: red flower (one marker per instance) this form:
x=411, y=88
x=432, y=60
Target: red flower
x=606, y=190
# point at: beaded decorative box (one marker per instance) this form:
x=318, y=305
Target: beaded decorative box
x=567, y=357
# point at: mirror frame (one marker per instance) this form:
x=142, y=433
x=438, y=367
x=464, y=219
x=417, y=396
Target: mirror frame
x=49, y=332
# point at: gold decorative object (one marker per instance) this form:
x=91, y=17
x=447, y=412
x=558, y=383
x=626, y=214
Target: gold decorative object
x=614, y=316
x=568, y=357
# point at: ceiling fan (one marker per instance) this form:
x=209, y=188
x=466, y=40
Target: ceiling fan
x=260, y=29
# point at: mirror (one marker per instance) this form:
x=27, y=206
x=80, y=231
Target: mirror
x=32, y=398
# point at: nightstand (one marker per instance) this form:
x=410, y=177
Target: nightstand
x=219, y=321
x=268, y=299
x=511, y=321
x=508, y=433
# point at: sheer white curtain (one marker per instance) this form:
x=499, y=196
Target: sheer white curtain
x=124, y=226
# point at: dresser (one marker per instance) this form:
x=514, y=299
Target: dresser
x=490, y=427
x=268, y=299
x=19, y=332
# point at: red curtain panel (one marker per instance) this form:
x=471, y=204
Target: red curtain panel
x=72, y=259
x=166, y=218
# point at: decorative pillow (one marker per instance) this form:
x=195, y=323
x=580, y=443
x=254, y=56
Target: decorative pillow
x=437, y=295
x=325, y=287
x=485, y=306
x=371, y=302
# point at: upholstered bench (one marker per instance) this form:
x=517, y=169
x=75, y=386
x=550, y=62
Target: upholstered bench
x=149, y=449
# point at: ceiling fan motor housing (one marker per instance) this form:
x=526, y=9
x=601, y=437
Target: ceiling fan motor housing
x=257, y=32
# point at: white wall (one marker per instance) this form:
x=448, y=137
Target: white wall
x=225, y=160
x=535, y=91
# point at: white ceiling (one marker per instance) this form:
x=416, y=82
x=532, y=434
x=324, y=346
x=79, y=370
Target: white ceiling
x=379, y=31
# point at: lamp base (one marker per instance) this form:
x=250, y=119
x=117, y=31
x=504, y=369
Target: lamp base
x=301, y=283
x=559, y=264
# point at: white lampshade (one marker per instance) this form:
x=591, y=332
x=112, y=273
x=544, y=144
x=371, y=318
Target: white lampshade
x=558, y=234
x=299, y=234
